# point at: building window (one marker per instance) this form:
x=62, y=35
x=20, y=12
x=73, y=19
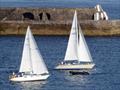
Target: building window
x=41, y=15
x=48, y=16
x=28, y=16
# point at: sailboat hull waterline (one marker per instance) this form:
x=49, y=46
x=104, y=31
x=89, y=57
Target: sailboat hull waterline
x=87, y=66
x=29, y=78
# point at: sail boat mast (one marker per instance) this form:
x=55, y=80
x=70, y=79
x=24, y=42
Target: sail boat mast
x=30, y=49
x=77, y=31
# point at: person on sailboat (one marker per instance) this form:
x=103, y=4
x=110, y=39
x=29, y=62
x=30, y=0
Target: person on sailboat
x=13, y=75
x=61, y=63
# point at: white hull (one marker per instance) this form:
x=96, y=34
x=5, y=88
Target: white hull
x=75, y=66
x=29, y=78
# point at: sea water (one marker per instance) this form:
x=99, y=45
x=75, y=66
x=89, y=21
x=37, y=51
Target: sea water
x=105, y=52
x=112, y=7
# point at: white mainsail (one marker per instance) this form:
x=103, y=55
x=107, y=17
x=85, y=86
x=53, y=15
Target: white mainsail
x=26, y=65
x=71, y=52
x=35, y=59
x=77, y=48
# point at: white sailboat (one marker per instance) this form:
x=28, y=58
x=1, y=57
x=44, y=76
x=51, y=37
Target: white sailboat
x=77, y=55
x=32, y=66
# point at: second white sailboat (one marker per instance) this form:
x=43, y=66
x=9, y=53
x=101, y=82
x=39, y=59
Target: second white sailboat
x=77, y=55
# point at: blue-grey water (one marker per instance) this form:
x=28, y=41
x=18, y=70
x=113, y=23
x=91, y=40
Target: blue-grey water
x=105, y=52
x=112, y=7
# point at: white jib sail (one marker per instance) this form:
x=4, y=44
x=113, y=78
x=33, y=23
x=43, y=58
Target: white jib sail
x=83, y=51
x=38, y=64
x=71, y=52
x=26, y=65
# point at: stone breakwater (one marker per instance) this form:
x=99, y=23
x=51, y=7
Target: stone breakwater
x=51, y=21
x=89, y=27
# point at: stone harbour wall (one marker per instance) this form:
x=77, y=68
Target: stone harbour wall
x=54, y=21
x=89, y=28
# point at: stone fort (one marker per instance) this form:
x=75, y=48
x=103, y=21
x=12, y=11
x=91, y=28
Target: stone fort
x=46, y=14
x=54, y=21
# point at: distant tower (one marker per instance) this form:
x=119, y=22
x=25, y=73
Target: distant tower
x=100, y=14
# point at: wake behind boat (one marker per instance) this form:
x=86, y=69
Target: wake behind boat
x=32, y=66
x=77, y=55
